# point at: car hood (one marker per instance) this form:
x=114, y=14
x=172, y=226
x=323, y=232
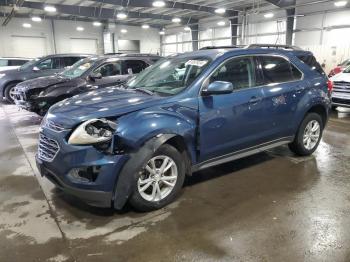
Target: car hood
x=41, y=82
x=108, y=102
x=342, y=77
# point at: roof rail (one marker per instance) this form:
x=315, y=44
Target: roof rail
x=138, y=54
x=289, y=47
x=221, y=47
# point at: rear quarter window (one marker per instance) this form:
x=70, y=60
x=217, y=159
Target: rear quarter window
x=311, y=61
x=278, y=70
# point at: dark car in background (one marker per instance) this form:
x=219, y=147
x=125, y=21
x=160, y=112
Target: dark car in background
x=37, y=95
x=42, y=66
x=12, y=62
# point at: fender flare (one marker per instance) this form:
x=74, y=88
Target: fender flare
x=127, y=178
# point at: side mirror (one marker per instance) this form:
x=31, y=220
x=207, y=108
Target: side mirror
x=218, y=88
x=94, y=76
x=130, y=71
x=36, y=69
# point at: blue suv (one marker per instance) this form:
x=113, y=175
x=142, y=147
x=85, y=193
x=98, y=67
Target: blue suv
x=136, y=142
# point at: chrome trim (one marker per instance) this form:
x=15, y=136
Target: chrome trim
x=42, y=144
x=242, y=153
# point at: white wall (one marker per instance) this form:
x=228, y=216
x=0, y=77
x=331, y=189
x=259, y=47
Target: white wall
x=66, y=35
x=15, y=28
x=326, y=33
x=149, y=38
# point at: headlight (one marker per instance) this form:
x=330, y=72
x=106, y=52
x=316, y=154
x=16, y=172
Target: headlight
x=93, y=131
x=2, y=75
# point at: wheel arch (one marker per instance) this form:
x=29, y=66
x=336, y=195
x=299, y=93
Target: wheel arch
x=10, y=83
x=321, y=110
x=125, y=181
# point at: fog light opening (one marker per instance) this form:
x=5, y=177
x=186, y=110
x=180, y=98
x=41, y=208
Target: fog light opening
x=84, y=174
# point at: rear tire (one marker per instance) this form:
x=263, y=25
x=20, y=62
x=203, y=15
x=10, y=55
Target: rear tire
x=9, y=92
x=308, y=135
x=154, y=188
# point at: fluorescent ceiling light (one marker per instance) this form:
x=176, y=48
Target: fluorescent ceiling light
x=176, y=20
x=80, y=28
x=145, y=26
x=220, y=10
x=187, y=28
x=221, y=23
x=27, y=25
x=124, y=31
x=96, y=23
x=340, y=3
x=121, y=16
x=162, y=33
x=158, y=3
x=36, y=19
x=50, y=9
x=269, y=15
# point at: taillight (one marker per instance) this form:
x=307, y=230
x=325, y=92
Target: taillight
x=337, y=70
x=330, y=86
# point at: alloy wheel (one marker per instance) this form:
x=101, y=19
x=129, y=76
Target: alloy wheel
x=158, y=178
x=311, y=134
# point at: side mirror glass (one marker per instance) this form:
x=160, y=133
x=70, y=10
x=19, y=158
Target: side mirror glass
x=218, y=88
x=94, y=76
x=35, y=68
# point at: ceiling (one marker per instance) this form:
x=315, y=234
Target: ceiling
x=139, y=11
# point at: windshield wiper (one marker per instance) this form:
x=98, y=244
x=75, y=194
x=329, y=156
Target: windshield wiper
x=149, y=92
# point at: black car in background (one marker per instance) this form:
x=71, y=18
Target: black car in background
x=42, y=66
x=37, y=95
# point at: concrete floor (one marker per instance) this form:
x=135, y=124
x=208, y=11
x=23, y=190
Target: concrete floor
x=269, y=207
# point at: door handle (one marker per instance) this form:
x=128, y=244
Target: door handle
x=254, y=100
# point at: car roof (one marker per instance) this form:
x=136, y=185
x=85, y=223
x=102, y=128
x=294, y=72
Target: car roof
x=68, y=55
x=213, y=52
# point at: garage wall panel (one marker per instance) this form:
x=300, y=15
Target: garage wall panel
x=83, y=45
x=28, y=46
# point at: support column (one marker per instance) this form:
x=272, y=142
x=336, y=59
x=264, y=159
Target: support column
x=195, y=36
x=234, y=30
x=290, y=26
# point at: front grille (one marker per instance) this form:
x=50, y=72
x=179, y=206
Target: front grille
x=342, y=86
x=47, y=148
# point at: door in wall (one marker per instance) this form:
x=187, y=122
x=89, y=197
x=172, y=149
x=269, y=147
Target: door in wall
x=28, y=46
x=83, y=45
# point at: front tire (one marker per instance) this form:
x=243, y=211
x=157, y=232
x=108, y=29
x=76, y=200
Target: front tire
x=308, y=135
x=160, y=180
x=9, y=93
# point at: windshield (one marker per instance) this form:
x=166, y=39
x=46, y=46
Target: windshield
x=79, y=68
x=345, y=63
x=347, y=70
x=30, y=63
x=170, y=76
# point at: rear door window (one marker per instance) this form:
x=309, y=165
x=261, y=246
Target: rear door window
x=69, y=61
x=278, y=70
x=109, y=69
x=17, y=62
x=136, y=66
x=311, y=61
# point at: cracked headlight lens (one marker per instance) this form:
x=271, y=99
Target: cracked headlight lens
x=93, y=131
